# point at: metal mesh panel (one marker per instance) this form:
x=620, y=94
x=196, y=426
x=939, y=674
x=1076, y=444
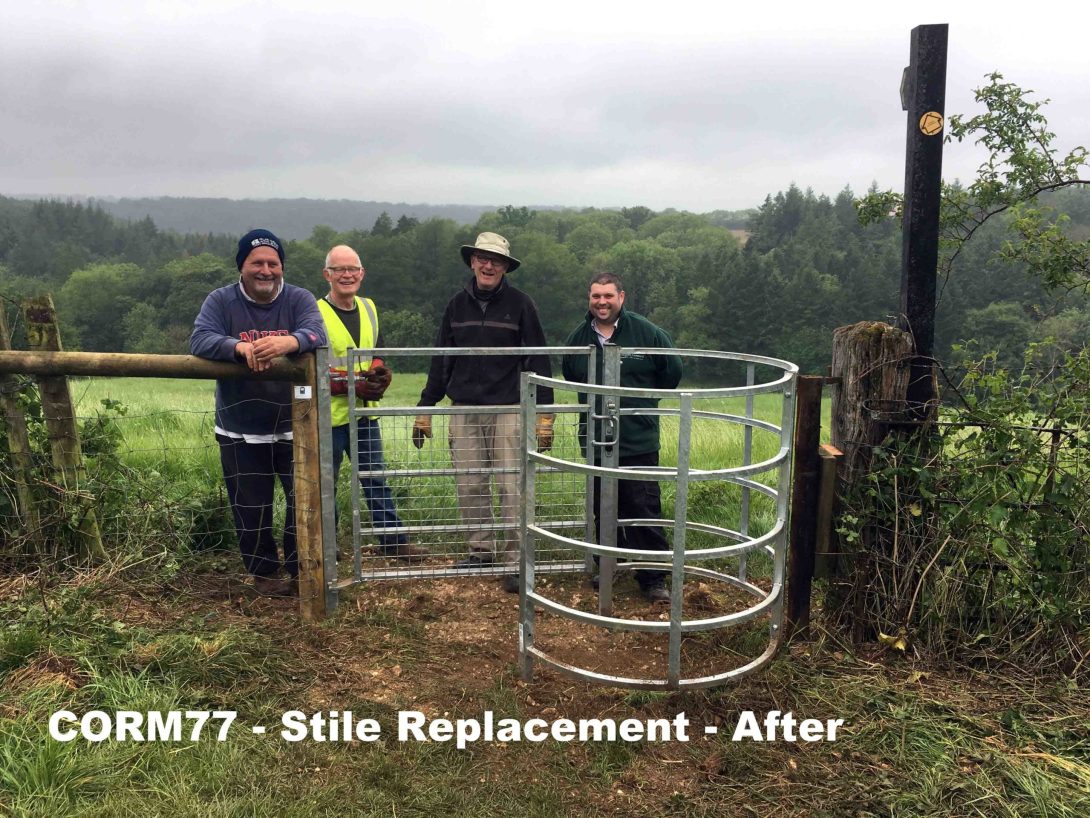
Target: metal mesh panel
x=455, y=496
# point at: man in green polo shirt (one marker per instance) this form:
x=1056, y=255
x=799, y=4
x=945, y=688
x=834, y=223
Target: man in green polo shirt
x=608, y=322
x=352, y=321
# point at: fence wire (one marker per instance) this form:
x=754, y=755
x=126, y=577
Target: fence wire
x=151, y=478
x=455, y=495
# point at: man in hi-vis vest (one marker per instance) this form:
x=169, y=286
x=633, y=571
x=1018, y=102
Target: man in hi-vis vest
x=352, y=321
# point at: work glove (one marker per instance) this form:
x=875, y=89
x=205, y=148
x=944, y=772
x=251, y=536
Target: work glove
x=338, y=381
x=378, y=377
x=368, y=390
x=421, y=430
x=544, y=430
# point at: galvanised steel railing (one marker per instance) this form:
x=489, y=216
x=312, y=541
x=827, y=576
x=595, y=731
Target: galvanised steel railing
x=738, y=545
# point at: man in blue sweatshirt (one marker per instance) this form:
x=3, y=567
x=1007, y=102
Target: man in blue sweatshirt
x=254, y=321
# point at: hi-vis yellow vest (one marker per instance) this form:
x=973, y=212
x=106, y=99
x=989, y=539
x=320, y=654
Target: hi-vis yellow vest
x=339, y=343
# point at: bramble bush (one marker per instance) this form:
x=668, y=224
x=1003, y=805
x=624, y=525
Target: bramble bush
x=972, y=538
x=984, y=525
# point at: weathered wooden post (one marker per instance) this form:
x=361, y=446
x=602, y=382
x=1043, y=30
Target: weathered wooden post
x=308, y=496
x=873, y=362
x=60, y=423
x=22, y=461
x=804, y=504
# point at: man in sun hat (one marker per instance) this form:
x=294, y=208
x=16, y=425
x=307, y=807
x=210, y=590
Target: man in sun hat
x=254, y=321
x=487, y=312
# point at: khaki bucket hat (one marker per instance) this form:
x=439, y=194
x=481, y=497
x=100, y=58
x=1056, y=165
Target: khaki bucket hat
x=491, y=243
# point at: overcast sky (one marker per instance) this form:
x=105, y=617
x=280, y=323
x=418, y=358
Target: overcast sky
x=692, y=105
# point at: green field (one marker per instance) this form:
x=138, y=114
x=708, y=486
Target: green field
x=167, y=427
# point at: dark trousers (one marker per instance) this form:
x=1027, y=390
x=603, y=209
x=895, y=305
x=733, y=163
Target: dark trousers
x=637, y=499
x=375, y=491
x=250, y=471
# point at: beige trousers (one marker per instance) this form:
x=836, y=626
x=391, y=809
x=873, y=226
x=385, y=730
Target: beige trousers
x=483, y=442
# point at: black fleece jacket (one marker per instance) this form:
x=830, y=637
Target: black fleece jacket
x=509, y=319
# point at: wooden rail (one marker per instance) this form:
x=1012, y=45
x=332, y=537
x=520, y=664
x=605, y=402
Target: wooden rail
x=131, y=365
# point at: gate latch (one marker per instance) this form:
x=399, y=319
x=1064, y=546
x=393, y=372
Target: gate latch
x=607, y=425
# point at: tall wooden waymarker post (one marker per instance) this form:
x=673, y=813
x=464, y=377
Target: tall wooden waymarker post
x=923, y=96
x=887, y=374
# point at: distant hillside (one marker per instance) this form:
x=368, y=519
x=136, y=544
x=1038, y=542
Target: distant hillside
x=297, y=218
x=288, y=218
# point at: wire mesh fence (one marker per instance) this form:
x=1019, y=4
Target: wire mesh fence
x=148, y=478
x=152, y=473
x=453, y=496
x=971, y=540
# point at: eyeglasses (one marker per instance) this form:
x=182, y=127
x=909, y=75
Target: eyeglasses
x=343, y=270
x=495, y=261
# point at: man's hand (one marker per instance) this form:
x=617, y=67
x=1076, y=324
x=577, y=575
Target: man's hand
x=421, y=430
x=544, y=430
x=260, y=354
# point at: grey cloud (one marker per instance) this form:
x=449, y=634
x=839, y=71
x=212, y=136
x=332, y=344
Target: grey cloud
x=400, y=109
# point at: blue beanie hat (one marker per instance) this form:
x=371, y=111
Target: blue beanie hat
x=254, y=239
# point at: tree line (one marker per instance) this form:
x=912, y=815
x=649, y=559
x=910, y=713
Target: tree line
x=803, y=265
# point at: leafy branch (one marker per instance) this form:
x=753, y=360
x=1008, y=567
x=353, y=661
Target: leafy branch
x=1022, y=164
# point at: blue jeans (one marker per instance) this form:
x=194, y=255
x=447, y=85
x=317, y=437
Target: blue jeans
x=377, y=493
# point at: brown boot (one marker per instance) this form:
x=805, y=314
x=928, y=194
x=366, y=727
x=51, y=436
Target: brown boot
x=271, y=586
x=405, y=551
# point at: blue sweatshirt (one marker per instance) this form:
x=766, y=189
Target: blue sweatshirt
x=228, y=318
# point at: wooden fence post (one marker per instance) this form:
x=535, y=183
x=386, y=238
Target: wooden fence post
x=22, y=461
x=873, y=362
x=60, y=422
x=308, y=500
x=804, y=497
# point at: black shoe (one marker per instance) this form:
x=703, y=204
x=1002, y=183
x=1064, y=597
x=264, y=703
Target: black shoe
x=656, y=593
x=595, y=581
x=510, y=584
x=475, y=561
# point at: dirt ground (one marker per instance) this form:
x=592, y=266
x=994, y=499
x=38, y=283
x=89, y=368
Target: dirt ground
x=466, y=630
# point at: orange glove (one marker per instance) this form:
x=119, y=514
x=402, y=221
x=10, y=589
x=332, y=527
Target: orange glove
x=421, y=430
x=544, y=430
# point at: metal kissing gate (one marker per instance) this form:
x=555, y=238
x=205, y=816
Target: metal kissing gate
x=728, y=562
x=725, y=509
